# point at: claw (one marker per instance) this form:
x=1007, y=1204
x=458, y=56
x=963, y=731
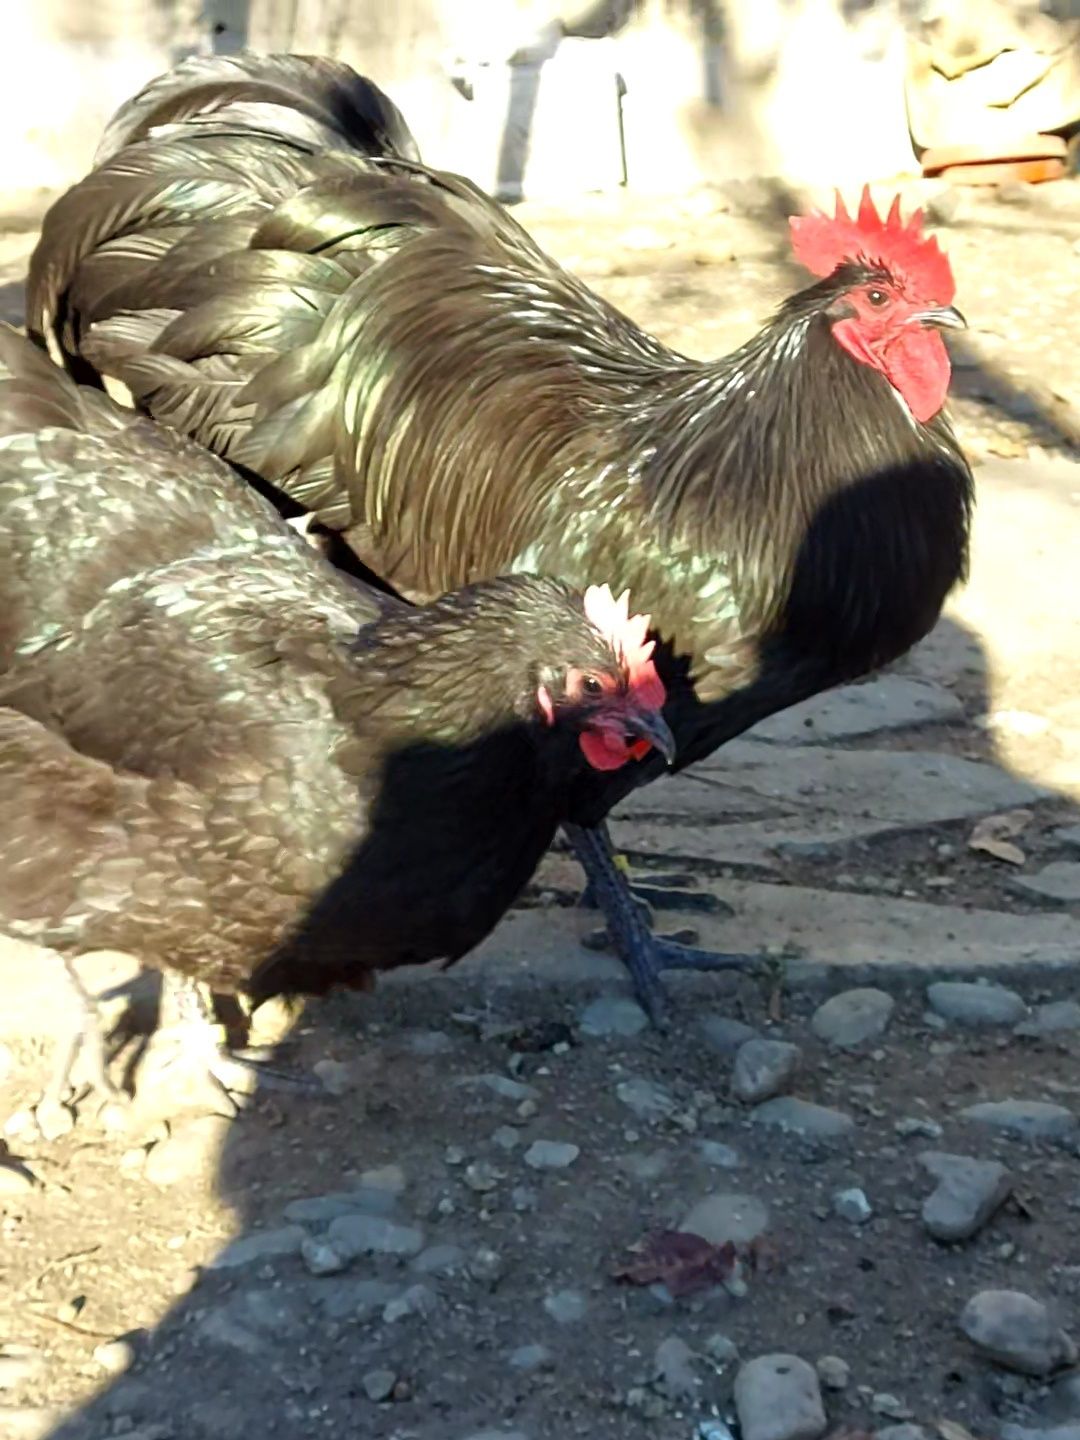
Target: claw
x=197, y=1041
x=646, y=956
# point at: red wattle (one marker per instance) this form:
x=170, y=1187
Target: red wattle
x=603, y=750
x=917, y=364
x=914, y=361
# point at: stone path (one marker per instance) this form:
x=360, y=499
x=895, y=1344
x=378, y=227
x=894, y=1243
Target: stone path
x=471, y=1237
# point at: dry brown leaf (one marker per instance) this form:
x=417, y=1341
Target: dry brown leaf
x=993, y=835
x=682, y=1261
x=999, y=850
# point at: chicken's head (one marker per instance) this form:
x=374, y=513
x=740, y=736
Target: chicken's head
x=894, y=290
x=610, y=692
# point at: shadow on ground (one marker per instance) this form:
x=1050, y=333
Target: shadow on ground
x=448, y=1080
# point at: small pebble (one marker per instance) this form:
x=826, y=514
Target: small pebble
x=763, y=1068
x=834, y=1373
x=673, y=1368
x=719, y=1155
x=388, y=1178
x=970, y=1004
x=353, y=1235
x=566, y=1307
x=551, y=1155
x=1026, y=1119
x=379, y=1385
x=506, y=1138
x=1017, y=1332
x=969, y=1193
x=487, y=1265
x=416, y=1300
x=531, y=1357
x=259, y=1245
x=911, y=1125
x=778, y=1397
x=335, y=1078
x=802, y=1117
x=115, y=1356
x=723, y=1217
x=852, y=1205
x=647, y=1100
x=852, y=1018
x=482, y=1177
x=726, y=1035
x=320, y=1258
x=721, y=1348
x=613, y=1015
x=889, y=1407
x=439, y=1260
x=54, y=1120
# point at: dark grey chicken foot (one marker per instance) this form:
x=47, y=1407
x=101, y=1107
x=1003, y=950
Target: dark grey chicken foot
x=674, y=891
x=234, y=1071
x=646, y=956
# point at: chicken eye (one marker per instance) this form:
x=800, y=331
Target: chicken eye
x=591, y=685
x=877, y=298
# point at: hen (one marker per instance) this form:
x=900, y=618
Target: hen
x=221, y=756
x=261, y=260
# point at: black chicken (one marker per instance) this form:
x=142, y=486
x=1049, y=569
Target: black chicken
x=262, y=261
x=223, y=757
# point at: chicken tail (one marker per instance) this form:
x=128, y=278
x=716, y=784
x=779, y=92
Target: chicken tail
x=317, y=101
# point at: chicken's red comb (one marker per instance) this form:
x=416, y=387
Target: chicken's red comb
x=821, y=243
x=628, y=636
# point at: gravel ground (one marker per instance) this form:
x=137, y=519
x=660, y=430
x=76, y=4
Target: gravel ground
x=472, y=1237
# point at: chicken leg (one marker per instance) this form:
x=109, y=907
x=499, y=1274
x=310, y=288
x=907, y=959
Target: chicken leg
x=87, y=1039
x=644, y=954
x=195, y=1042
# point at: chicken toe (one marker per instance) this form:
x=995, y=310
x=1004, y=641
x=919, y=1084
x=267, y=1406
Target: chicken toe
x=646, y=956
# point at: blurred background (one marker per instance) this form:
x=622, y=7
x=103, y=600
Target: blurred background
x=550, y=98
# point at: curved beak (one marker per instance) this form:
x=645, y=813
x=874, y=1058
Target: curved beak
x=650, y=725
x=943, y=317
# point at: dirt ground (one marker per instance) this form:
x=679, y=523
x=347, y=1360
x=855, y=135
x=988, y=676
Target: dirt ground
x=455, y=1277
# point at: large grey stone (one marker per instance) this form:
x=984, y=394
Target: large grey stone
x=259, y=1245
x=852, y=1018
x=1060, y=880
x=1017, y=1332
x=1026, y=1119
x=724, y=1034
x=969, y=1003
x=920, y=787
x=723, y=1217
x=763, y=1068
x=613, y=1015
x=1051, y=1019
x=352, y=1235
x=645, y=1098
x=778, y=1397
x=968, y=1193
x=321, y=1209
x=1062, y=1404
x=887, y=702
x=837, y=933
x=802, y=1117
x=551, y=1154
x=566, y=1307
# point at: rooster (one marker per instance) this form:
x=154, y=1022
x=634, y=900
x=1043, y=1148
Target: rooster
x=262, y=260
x=229, y=760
